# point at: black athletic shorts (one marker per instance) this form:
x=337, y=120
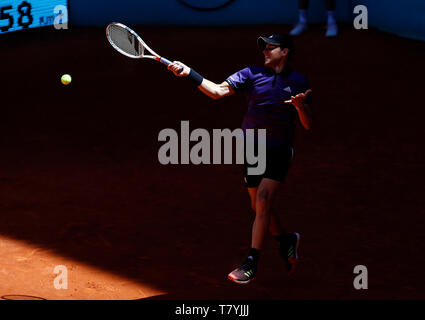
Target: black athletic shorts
x=278, y=161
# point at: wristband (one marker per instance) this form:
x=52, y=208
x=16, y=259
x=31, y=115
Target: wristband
x=195, y=77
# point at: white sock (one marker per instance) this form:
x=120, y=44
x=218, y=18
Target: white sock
x=303, y=16
x=331, y=17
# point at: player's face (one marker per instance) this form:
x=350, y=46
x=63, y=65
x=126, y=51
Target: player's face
x=273, y=55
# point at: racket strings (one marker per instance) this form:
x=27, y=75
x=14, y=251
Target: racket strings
x=125, y=40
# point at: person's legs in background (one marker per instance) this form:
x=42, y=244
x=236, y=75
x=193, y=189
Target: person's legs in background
x=331, y=26
x=301, y=26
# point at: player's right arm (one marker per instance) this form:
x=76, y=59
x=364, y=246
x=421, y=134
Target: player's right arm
x=214, y=90
x=211, y=89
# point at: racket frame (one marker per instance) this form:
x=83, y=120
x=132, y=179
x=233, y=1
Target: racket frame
x=153, y=55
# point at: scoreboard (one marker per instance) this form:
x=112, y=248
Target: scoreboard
x=25, y=14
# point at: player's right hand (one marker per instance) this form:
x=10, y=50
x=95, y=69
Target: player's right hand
x=176, y=66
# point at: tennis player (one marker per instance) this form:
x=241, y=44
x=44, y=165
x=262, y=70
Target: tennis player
x=276, y=96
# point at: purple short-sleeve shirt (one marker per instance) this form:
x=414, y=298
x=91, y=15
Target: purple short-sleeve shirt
x=265, y=93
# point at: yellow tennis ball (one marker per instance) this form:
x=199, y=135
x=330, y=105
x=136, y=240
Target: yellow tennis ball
x=66, y=79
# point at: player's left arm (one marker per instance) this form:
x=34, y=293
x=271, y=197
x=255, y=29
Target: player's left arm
x=211, y=89
x=304, y=110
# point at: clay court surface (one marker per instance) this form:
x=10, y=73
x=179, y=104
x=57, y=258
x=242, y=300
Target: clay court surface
x=81, y=185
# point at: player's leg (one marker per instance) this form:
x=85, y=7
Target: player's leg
x=331, y=26
x=275, y=227
x=265, y=195
x=301, y=26
x=262, y=190
x=278, y=164
x=261, y=198
x=252, y=196
x=288, y=242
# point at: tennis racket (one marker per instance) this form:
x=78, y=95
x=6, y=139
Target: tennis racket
x=127, y=42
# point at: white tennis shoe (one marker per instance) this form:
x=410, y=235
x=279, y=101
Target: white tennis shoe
x=331, y=30
x=299, y=29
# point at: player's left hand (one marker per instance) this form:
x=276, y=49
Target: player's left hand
x=299, y=99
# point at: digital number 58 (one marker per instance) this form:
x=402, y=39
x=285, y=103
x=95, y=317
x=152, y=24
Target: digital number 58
x=24, y=10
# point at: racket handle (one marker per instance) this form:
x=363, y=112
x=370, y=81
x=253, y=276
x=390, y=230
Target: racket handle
x=167, y=62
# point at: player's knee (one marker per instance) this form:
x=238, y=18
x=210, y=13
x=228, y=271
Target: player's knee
x=263, y=201
x=263, y=195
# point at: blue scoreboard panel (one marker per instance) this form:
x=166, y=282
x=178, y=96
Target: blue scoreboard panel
x=24, y=14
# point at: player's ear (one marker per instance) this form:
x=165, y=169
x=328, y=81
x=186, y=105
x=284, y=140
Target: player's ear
x=284, y=52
